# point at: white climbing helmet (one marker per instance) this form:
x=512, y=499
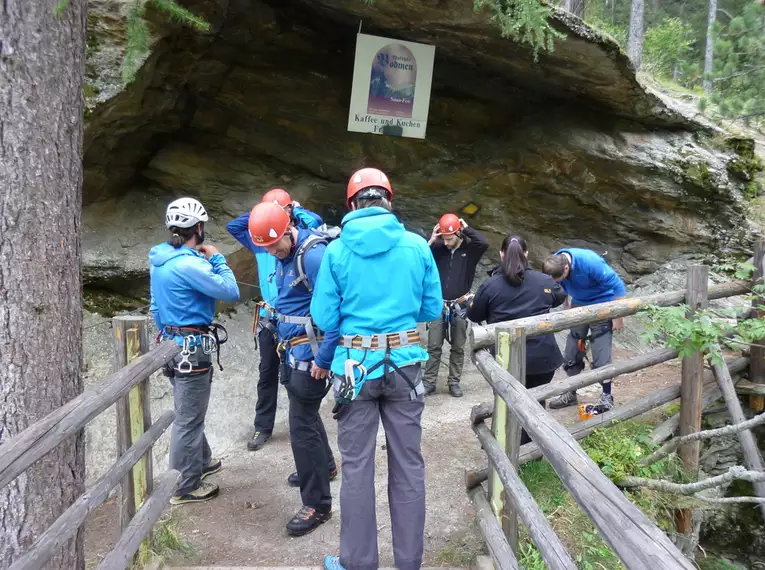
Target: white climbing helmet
x=185, y=213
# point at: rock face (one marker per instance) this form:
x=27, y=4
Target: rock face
x=569, y=150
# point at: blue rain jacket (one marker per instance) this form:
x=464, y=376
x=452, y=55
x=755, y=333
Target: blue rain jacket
x=267, y=263
x=184, y=285
x=591, y=280
x=296, y=301
x=376, y=278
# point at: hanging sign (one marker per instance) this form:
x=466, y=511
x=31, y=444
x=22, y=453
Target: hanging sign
x=391, y=87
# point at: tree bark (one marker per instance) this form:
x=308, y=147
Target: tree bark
x=710, y=49
x=42, y=55
x=635, y=39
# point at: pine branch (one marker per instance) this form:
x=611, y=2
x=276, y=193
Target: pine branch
x=673, y=444
x=740, y=73
x=734, y=473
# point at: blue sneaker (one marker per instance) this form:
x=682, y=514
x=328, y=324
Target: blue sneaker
x=332, y=563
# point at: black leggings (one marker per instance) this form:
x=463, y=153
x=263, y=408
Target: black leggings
x=532, y=381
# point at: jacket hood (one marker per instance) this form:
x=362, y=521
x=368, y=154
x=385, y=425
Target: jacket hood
x=371, y=231
x=164, y=252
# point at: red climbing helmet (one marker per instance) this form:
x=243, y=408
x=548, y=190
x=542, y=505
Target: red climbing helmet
x=268, y=223
x=278, y=196
x=366, y=178
x=449, y=224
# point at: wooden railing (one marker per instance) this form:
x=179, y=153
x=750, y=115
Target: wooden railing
x=140, y=503
x=637, y=541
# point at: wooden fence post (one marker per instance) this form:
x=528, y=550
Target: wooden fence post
x=517, y=367
x=131, y=340
x=757, y=353
x=499, y=426
x=691, y=388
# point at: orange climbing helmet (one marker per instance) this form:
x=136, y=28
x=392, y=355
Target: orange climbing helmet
x=367, y=178
x=278, y=196
x=268, y=223
x=449, y=224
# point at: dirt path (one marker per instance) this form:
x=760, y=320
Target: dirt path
x=245, y=525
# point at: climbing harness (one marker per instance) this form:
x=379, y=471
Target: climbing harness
x=582, y=344
x=348, y=387
x=268, y=321
x=197, y=346
x=310, y=336
x=323, y=234
x=453, y=310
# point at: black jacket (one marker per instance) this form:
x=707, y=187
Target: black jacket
x=456, y=267
x=497, y=300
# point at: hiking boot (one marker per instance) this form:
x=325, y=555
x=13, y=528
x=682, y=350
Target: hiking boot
x=563, y=401
x=455, y=390
x=214, y=466
x=606, y=403
x=306, y=520
x=332, y=563
x=294, y=481
x=204, y=492
x=429, y=388
x=258, y=440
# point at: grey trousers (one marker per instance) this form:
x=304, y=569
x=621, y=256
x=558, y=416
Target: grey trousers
x=601, y=342
x=388, y=399
x=436, y=337
x=189, y=450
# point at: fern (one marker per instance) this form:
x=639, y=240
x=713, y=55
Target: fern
x=523, y=21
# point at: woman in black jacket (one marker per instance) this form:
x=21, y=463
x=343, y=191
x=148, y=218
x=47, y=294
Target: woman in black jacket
x=512, y=292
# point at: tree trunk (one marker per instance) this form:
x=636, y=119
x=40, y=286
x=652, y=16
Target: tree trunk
x=710, y=50
x=635, y=40
x=576, y=7
x=42, y=60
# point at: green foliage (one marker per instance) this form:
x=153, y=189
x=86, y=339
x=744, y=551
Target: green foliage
x=618, y=33
x=710, y=329
x=667, y=46
x=617, y=451
x=523, y=21
x=137, y=46
x=739, y=65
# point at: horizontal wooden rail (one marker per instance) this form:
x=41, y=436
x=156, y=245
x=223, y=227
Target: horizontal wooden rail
x=639, y=543
x=580, y=430
x=21, y=451
x=549, y=545
x=121, y=556
x=69, y=523
x=608, y=372
x=499, y=548
x=484, y=336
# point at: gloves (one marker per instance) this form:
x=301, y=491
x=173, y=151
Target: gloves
x=339, y=410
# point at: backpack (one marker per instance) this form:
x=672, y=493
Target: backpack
x=323, y=234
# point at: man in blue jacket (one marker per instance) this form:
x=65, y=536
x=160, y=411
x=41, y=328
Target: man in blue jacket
x=306, y=357
x=376, y=283
x=268, y=367
x=186, y=277
x=587, y=280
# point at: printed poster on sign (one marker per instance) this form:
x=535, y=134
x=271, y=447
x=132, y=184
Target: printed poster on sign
x=391, y=87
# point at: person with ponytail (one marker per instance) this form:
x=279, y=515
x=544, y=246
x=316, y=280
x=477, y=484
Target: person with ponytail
x=186, y=278
x=514, y=291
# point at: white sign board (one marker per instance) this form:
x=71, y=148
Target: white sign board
x=391, y=87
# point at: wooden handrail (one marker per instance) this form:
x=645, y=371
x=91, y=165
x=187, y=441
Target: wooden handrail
x=499, y=548
x=639, y=543
x=549, y=545
x=121, y=556
x=70, y=521
x=21, y=451
x=484, y=336
x=580, y=430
